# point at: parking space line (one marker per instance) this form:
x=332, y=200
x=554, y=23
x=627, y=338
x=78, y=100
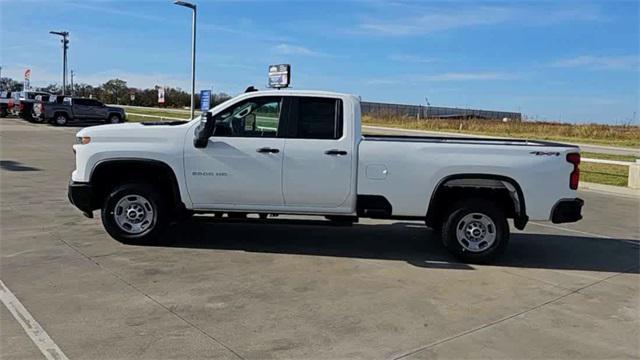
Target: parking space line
x=37, y=334
x=632, y=242
x=503, y=319
x=151, y=298
x=569, y=230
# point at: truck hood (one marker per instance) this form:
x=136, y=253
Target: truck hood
x=115, y=109
x=129, y=132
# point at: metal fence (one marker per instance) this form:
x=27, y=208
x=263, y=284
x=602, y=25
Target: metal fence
x=430, y=112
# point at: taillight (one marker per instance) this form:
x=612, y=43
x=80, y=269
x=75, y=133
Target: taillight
x=574, y=178
x=10, y=104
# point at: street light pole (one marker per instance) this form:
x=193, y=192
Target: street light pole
x=193, y=50
x=72, y=83
x=65, y=46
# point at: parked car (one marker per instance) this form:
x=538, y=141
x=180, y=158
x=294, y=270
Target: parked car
x=302, y=152
x=5, y=100
x=22, y=104
x=72, y=109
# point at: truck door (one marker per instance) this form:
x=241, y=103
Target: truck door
x=98, y=110
x=318, y=158
x=81, y=108
x=242, y=163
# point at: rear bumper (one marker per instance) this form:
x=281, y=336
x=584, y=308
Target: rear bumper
x=567, y=210
x=81, y=196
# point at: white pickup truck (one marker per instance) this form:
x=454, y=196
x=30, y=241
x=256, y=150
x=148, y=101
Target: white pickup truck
x=302, y=152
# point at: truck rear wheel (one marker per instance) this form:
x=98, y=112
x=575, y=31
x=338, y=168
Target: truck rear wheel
x=134, y=213
x=475, y=230
x=60, y=119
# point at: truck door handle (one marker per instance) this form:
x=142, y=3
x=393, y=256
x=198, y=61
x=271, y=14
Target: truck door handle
x=335, y=152
x=266, y=150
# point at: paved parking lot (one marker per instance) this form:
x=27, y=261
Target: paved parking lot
x=289, y=288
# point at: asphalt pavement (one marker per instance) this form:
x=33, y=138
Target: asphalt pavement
x=293, y=288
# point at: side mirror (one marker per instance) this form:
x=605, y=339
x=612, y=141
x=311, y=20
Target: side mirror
x=204, y=131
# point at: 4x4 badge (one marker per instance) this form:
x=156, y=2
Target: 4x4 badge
x=545, y=153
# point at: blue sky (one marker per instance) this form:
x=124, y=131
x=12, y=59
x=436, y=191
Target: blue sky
x=572, y=61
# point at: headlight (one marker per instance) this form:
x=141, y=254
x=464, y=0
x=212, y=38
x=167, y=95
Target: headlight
x=83, y=140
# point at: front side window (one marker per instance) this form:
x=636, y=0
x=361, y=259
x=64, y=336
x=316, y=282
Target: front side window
x=256, y=117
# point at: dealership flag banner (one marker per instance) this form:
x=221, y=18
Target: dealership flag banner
x=27, y=79
x=161, y=95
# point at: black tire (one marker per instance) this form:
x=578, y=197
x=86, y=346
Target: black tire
x=114, y=119
x=37, y=119
x=60, y=119
x=468, y=218
x=158, y=208
x=4, y=112
x=182, y=215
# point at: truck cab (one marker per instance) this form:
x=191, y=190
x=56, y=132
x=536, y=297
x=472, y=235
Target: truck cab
x=281, y=152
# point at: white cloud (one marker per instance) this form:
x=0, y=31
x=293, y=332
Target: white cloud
x=436, y=19
x=408, y=58
x=469, y=76
x=288, y=49
x=41, y=77
x=443, y=77
x=119, y=11
x=624, y=62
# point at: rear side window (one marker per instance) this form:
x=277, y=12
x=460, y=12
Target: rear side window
x=85, y=102
x=317, y=118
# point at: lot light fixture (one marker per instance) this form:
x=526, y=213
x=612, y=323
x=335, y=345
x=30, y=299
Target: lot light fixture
x=65, y=46
x=193, y=50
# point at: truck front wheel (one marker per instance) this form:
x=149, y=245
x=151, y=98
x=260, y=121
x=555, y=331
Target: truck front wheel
x=134, y=213
x=475, y=230
x=114, y=119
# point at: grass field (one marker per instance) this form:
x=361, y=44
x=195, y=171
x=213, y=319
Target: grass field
x=604, y=174
x=593, y=134
x=613, y=135
x=171, y=113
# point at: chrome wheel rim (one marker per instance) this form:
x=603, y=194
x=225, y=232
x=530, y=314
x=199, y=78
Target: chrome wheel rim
x=115, y=120
x=61, y=120
x=476, y=232
x=134, y=214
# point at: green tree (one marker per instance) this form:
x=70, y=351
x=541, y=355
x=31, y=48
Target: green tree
x=114, y=91
x=8, y=84
x=52, y=89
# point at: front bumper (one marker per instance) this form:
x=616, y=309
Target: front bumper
x=567, y=210
x=81, y=196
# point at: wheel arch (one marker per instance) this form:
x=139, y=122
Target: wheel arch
x=107, y=173
x=62, y=112
x=478, y=183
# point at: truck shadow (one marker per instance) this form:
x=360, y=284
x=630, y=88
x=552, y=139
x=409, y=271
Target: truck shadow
x=400, y=241
x=11, y=165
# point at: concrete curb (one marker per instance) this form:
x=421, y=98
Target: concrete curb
x=610, y=189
